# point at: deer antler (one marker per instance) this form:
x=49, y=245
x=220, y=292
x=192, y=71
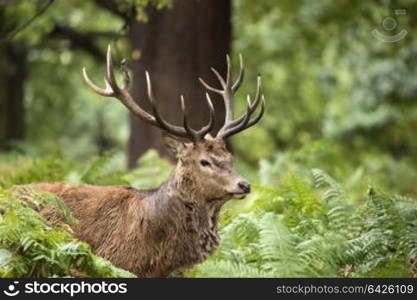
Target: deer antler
x=112, y=89
x=228, y=90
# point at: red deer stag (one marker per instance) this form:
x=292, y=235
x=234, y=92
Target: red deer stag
x=154, y=232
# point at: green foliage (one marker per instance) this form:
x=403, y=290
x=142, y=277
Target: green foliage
x=311, y=230
x=24, y=171
x=103, y=170
x=327, y=77
x=30, y=247
x=152, y=172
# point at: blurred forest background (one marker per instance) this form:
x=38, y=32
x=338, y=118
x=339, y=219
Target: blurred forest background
x=334, y=160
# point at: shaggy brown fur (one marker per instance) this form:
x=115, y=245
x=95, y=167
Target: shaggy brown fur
x=154, y=232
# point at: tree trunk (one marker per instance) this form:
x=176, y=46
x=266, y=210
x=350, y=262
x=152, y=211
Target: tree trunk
x=177, y=46
x=12, y=79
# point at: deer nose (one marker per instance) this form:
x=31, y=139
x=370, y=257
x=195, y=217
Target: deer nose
x=244, y=186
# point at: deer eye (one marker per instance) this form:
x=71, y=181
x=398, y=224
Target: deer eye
x=205, y=163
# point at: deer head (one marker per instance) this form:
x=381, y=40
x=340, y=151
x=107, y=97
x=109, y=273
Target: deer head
x=203, y=161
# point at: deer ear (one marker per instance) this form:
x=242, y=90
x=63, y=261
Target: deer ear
x=173, y=145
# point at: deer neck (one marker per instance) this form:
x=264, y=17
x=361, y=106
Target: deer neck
x=198, y=213
x=184, y=219
x=181, y=195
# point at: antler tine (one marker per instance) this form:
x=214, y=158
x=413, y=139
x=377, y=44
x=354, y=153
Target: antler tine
x=245, y=118
x=229, y=88
x=206, y=129
x=246, y=121
x=113, y=90
x=110, y=79
x=259, y=116
x=198, y=135
x=190, y=132
x=107, y=92
x=160, y=122
x=209, y=87
x=223, y=83
x=229, y=69
x=251, y=107
x=226, y=91
x=240, y=76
